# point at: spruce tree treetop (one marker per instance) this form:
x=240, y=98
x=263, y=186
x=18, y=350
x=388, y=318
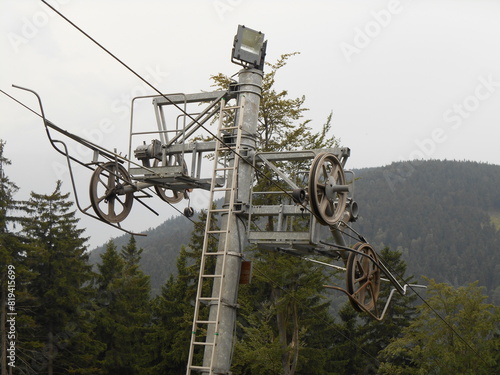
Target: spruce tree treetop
x=61, y=285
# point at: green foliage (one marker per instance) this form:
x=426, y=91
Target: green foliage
x=282, y=312
x=161, y=247
x=168, y=342
x=437, y=213
x=123, y=315
x=172, y=321
x=465, y=344
x=281, y=126
x=12, y=254
x=347, y=354
x=60, y=287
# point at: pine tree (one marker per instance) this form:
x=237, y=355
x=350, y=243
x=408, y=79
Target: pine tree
x=347, y=356
x=376, y=335
x=123, y=311
x=61, y=286
x=284, y=321
x=14, y=276
x=168, y=343
x=172, y=318
x=108, y=284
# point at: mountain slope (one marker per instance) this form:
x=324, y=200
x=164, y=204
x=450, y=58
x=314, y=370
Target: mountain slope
x=438, y=214
x=160, y=247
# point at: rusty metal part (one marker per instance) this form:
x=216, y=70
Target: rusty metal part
x=108, y=196
x=327, y=189
x=363, y=277
x=175, y=196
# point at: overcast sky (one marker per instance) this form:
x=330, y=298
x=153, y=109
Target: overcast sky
x=404, y=79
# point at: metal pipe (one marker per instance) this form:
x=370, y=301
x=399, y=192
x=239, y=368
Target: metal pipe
x=250, y=82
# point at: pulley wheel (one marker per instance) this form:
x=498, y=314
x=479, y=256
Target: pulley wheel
x=189, y=212
x=327, y=189
x=363, y=277
x=107, y=196
x=299, y=195
x=168, y=195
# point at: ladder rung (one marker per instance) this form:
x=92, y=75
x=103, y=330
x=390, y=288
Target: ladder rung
x=208, y=298
x=219, y=210
x=206, y=322
x=223, y=169
x=229, y=128
x=201, y=368
x=215, y=253
x=214, y=276
x=222, y=189
x=229, y=107
x=203, y=343
x=216, y=231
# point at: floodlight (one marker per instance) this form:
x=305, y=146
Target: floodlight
x=249, y=48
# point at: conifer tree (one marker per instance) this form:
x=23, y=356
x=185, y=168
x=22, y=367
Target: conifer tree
x=347, y=355
x=61, y=286
x=14, y=276
x=172, y=320
x=284, y=321
x=123, y=311
x=168, y=343
x=376, y=335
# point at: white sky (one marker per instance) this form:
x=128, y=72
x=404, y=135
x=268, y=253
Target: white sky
x=404, y=79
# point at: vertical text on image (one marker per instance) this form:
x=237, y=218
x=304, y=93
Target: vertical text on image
x=11, y=316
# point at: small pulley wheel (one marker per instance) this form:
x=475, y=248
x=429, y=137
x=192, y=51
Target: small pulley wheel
x=168, y=195
x=363, y=277
x=108, y=197
x=189, y=212
x=327, y=189
x=299, y=195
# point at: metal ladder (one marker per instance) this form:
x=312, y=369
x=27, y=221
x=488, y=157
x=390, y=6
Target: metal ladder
x=211, y=279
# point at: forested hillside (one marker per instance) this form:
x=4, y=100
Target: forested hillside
x=161, y=247
x=440, y=214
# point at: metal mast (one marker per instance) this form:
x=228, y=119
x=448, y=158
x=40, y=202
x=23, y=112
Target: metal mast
x=250, y=81
x=212, y=334
x=218, y=329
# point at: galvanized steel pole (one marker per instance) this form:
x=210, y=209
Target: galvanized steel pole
x=250, y=87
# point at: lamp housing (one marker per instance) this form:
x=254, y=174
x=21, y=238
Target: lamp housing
x=249, y=48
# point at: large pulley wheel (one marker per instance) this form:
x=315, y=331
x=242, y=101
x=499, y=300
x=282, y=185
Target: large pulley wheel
x=168, y=195
x=363, y=277
x=327, y=189
x=107, y=195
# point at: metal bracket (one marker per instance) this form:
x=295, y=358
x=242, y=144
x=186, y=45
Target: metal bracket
x=375, y=315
